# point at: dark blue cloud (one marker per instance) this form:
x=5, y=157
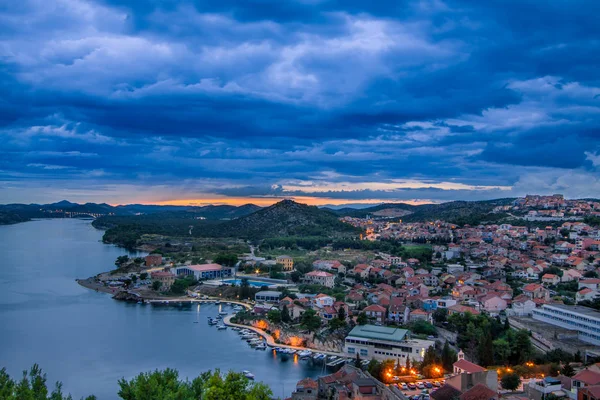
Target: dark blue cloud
x=253, y=98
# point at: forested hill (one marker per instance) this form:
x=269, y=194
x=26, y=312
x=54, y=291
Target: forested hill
x=13, y=213
x=457, y=212
x=286, y=218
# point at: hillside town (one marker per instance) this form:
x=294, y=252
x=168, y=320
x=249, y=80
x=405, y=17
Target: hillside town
x=469, y=312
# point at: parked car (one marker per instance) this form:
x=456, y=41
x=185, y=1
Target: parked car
x=420, y=385
x=412, y=386
x=437, y=384
x=404, y=386
x=428, y=385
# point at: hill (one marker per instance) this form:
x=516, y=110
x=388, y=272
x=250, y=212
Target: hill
x=286, y=218
x=64, y=208
x=457, y=212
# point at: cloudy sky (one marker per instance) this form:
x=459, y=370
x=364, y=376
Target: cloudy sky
x=327, y=101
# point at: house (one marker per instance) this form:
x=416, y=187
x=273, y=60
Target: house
x=479, y=392
x=460, y=309
x=522, y=306
x=589, y=393
x=165, y=278
x=550, y=279
x=420, y=315
x=320, y=278
x=398, y=312
x=585, y=294
x=571, y=275
x=591, y=283
x=536, y=291
x=493, y=304
x=375, y=312
x=463, y=366
x=153, y=260
x=286, y=261
x=323, y=300
x=585, y=378
x=306, y=389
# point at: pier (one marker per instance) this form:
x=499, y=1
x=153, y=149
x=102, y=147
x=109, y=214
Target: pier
x=271, y=342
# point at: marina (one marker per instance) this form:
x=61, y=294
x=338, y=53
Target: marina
x=71, y=330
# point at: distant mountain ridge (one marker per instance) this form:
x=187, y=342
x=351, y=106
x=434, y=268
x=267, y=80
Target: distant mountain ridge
x=14, y=213
x=458, y=212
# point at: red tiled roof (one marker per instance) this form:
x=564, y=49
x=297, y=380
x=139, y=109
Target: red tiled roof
x=479, y=392
x=307, y=383
x=468, y=366
x=588, y=377
x=374, y=308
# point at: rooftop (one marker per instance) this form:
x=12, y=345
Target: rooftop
x=589, y=312
x=203, y=267
x=379, y=332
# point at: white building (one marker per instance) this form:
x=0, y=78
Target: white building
x=382, y=343
x=204, y=271
x=320, y=278
x=584, y=320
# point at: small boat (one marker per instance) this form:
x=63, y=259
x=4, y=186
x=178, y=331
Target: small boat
x=319, y=356
x=221, y=327
x=212, y=322
x=278, y=349
x=305, y=353
x=218, y=302
x=140, y=302
x=248, y=374
x=261, y=346
x=223, y=313
x=288, y=351
x=195, y=322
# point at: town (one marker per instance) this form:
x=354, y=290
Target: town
x=415, y=309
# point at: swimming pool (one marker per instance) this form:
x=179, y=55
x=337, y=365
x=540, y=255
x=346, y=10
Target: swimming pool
x=237, y=282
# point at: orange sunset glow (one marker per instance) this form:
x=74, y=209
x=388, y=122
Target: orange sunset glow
x=267, y=201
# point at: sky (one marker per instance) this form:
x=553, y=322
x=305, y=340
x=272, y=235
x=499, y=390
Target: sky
x=324, y=101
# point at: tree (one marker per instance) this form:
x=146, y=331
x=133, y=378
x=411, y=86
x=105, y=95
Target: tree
x=244, y=288
x=226, y=259
x=285, y=314
x=440, y=315
x=274, y=316
x=143, y=276
x=342, y=314
x=121, y=260
x=423, y=328
x=448, y=357
x=32, y=386
x=408, y=364
x=501, y=351
x=358, y=361
x=208, y=386
x=310, y=320
x=361, y=319
x=296, y=276
x=156, y=285
x=510, y=381
x=336, y=323
x=567, y=370
x=577, y=357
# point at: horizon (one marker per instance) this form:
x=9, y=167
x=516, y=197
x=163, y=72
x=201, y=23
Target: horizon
x=331, y=102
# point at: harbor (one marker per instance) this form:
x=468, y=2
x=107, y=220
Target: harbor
x=89, y=341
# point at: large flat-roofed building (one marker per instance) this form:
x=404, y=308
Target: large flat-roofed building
x=268, y=296
x=204, y=271
x=382, y=343
x=584, y=320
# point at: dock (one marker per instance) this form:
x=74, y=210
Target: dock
x=271, y=342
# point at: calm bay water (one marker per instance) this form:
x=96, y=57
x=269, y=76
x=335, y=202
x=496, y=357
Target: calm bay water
x=89, y=341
